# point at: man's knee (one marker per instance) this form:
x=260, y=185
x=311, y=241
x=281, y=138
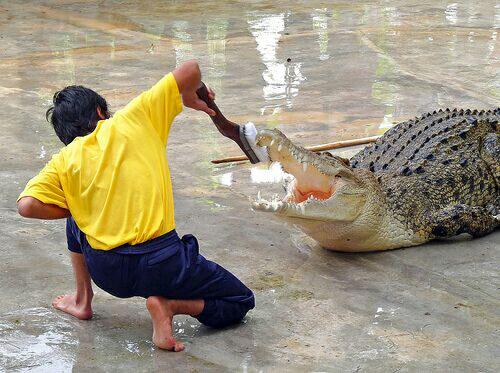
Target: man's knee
x=221, y=313
x=249, y=301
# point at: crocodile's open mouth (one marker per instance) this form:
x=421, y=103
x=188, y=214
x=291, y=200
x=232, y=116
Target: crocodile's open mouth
x=311, y=177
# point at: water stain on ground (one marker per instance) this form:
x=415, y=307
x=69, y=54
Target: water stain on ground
x=267, y=281
x=299, y=294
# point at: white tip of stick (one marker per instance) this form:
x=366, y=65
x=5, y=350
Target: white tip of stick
x=251, y=134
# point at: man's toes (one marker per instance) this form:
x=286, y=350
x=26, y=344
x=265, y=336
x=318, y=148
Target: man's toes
x=179, y=346
x=59, y=306
x=169, y=344
x=56, y=301
x=59, y=303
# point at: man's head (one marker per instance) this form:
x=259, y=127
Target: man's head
x=76, y=112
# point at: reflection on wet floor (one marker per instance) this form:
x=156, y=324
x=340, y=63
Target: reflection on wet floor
x=35, y=338
x=282, y=77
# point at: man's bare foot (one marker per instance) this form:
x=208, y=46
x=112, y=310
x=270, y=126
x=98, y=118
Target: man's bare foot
x=162, y=312
x=68, y=303
x=162, y=315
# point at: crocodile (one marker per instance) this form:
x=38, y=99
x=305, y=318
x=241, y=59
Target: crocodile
x=431, y=177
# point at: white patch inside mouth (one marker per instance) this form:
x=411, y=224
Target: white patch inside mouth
x=273, y=174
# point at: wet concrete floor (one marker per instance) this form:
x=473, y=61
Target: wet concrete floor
x=320, y=72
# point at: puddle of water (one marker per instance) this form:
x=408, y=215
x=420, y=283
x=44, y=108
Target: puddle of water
x=282, y=77
x=182, y=43
x=386, y=123
x=226, y=179
x=43, y=152
x=142, y=348
x=35, y=340
x=214, y=206
x=451, y=13
x=320, y=25
x=186, y=328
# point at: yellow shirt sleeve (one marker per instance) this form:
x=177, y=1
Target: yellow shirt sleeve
x=46, y=186
x=159, y=106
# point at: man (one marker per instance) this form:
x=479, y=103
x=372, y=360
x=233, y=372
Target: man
x=112, y=183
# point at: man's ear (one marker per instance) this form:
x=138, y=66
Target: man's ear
x=101, y=114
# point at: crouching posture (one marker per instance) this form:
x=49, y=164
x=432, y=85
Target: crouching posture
x=112, y=183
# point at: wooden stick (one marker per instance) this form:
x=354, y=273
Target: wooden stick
x=316, y=148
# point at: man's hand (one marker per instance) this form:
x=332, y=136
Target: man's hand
x=188, y=78
x=29, y=207
x=191, y=99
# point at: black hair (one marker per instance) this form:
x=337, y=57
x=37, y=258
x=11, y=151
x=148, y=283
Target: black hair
x=75, y=112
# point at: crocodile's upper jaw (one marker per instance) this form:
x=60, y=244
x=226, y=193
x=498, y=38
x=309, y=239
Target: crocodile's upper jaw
x=323, y=188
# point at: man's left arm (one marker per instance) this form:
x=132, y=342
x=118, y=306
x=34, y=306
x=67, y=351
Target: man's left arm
x=30, y=207
x=43, y=197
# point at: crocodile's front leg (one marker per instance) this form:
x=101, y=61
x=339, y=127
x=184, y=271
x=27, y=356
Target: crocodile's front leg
x=451, y=221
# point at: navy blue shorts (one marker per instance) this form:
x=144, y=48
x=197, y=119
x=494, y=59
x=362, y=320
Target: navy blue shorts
x=166, y=266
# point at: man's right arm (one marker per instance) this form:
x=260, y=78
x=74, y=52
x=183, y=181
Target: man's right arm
x=188, y=78
x=159, y=105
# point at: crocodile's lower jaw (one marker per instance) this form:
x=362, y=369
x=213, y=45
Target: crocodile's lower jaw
x=285, y=207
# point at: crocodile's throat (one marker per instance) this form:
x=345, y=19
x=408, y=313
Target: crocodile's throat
x=308, y=182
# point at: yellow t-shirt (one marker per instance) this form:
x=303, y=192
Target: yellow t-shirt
x=115, y=181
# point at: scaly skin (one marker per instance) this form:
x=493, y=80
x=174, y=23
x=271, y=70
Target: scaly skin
x=430, y=177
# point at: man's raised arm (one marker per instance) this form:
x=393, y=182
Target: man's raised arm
x=188, y=78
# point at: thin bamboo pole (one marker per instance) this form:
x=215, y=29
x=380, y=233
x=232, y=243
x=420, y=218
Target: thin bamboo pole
x=316, y=148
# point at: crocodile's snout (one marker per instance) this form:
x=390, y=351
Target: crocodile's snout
x=268, y=138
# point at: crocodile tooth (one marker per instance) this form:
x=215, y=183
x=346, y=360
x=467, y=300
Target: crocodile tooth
x=272, y=142
x=280, y=146
x=258, y=196
x=304, y=166
x=302, y=208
